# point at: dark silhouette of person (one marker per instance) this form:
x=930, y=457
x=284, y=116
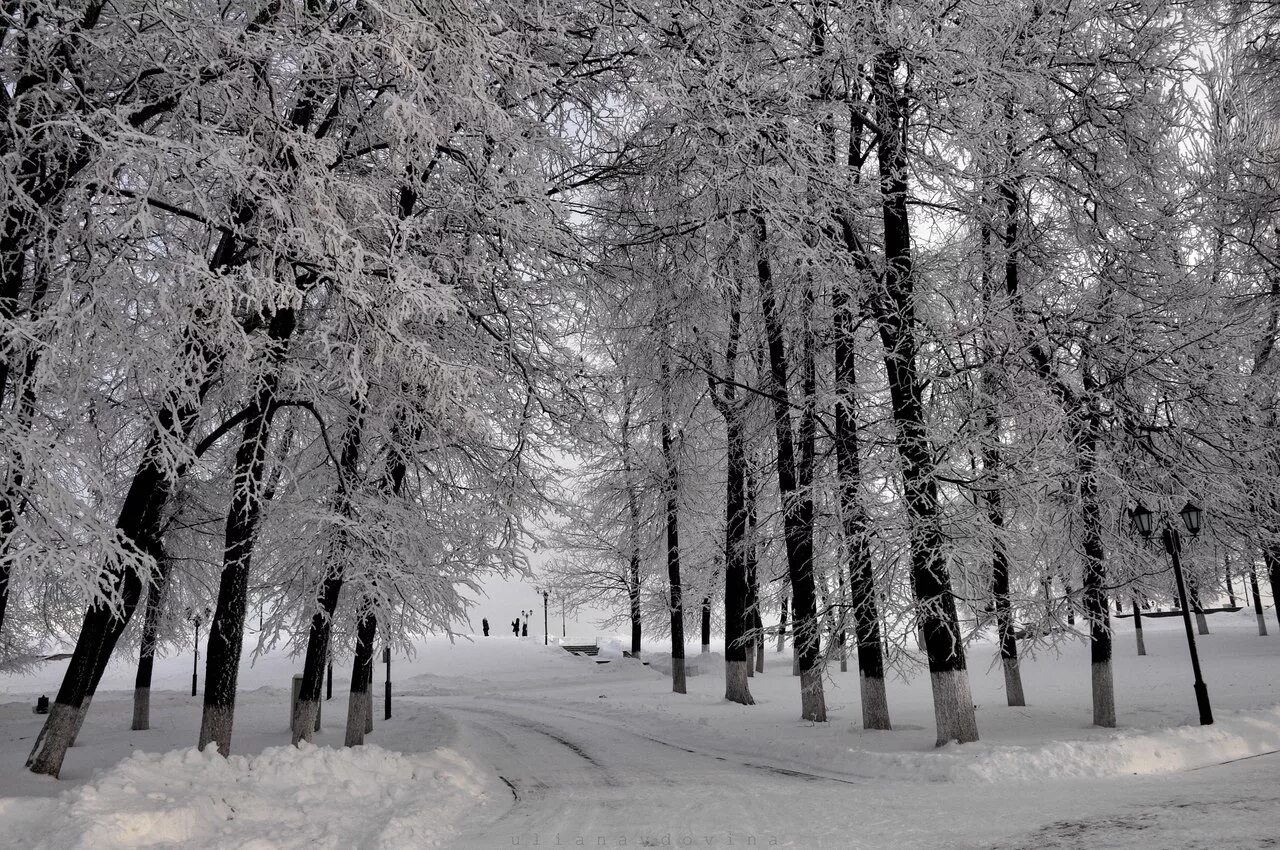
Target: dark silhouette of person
x=524, y=629
x=485, y=624
x=515, y=627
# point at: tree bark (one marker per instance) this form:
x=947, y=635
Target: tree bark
x=1094, y=579
x=307, y=707
x=147, y=651
x=633, y=525
x=139, y=524
x=1257, y=601
x=797, y=501
x=360, y=704
x=226, y=631
x=953, y=704
x=671, y=489
x=862, y=592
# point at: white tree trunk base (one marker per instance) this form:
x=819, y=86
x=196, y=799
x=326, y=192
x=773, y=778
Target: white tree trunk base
x=1013, y=683
x=677, y=676
x=54, y=739
x=306, y=720
x=141, y=709
x=706, y=649
x=736, y=688
x=813, y=699
x=1104, y=695
x=357, y=720
x=953, y=707
x=215, y=727
x=875, y=704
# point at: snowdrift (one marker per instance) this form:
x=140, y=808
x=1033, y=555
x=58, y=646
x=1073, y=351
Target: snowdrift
x=1236, y=735
x=285, y=797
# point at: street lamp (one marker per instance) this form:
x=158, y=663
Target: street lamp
x=546, y=639
x=196, y=618
x=1191, y=515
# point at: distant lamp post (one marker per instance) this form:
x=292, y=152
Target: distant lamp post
x=1143, y=521
x=196, y=619
x=546, y=633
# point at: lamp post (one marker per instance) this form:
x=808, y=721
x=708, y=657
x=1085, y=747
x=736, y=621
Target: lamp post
x=1142, y=520
x=196, y=618
x=546, y=632
x=524, y=618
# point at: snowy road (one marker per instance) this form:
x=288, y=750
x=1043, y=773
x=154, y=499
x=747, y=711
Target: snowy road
x=505, y=743
x=574, y=773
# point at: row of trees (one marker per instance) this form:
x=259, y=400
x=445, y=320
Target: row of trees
x=937, y=293
x=283, y=326
x=883, y=315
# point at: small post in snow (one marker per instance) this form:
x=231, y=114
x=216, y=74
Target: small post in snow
x=386, y=698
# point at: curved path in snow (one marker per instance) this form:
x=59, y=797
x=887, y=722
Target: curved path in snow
x=568, y=773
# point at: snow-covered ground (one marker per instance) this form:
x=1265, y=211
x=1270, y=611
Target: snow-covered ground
x=503, y=742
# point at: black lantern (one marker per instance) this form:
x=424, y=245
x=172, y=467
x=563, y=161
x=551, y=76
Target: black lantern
x=1141, y=518
x=1191, y=518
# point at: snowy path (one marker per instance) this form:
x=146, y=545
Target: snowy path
x=574, y=773
x=506, y=743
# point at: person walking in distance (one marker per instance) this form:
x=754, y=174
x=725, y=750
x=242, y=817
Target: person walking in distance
x=515, y=627
x=484, y=623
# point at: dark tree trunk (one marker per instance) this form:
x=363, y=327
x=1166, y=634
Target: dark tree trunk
x=633, y=527
x=737, y=625
x=672, y=492
x=1094, y=597
x=782, y=624
x=226, y=631
x=797, y=502
x=1257, y=600
x=139, y=523
x=360, y=705
x=307, y=708
x=147, y=651
x=1137, y=628
x=862, y=591
x=895, y=309
x=1271, y=556
x=751, y=559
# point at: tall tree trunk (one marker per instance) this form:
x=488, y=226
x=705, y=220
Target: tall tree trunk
x=952, y=701
x=1271, y=557
x=1257, y=600
x=853, y=516
x=360, y=704
x=147, y=651
x=737, y=625
x=226, y=631
x=307, y=708
x=672, y=493
x=753, y=575
x=1094, y=579
x=782, y=624
x=797, y=501
x=1137, y=628
x=633, y=525
x=139, y=523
